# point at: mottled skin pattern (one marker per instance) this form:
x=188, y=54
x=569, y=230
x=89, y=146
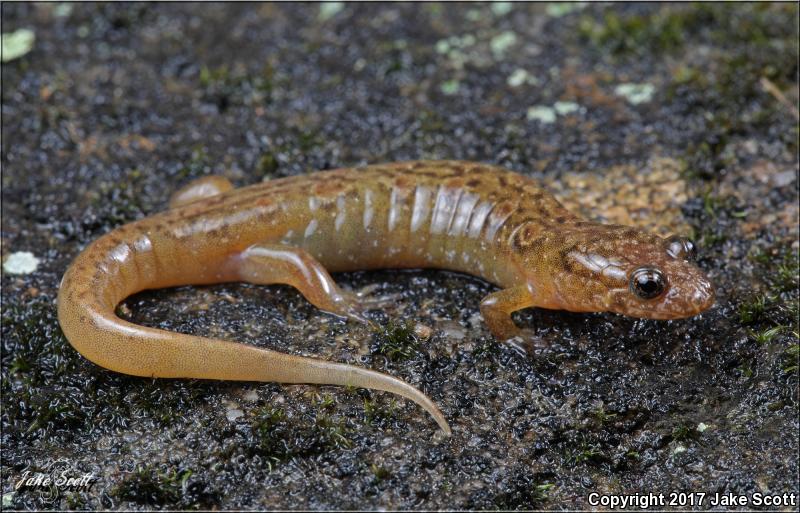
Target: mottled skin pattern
x=461, y=216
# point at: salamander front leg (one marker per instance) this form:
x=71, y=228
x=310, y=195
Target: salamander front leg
x=497, y=308
x=266, y=264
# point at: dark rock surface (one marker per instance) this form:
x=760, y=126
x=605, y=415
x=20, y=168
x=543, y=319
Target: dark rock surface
x=674, y=117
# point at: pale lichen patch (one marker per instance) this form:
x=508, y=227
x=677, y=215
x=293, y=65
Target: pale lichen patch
x=21, y=262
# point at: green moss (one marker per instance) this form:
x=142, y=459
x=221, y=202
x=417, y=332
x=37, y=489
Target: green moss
x=625, y=34
x=711, y=236
x=379, y=472
x=602, y=416
x=226, y=87
x=20, y=364
x=333, y=432
x=397, y=341
x=759, y=256
x=61, y=415
x=267, y=163
x=787, y=274
x=308, y=140
x=712, y=203
x=163, y=401
x=585, y=452
x=765, y=336
x=668, y=27
x=750, y=43
x=265, y=420
x=522, y=493
x=485, y=348
x=280, y=438
x=431, y=121
x=753, y=309
x=119, y=202
x=541, y=491
x=153, y=486
x=791, y=355
x=683, y=433
x=75, y=501
x=35, y=355
x=778, y=269
x=199, y=163
x=326, y=402
x=375, y=410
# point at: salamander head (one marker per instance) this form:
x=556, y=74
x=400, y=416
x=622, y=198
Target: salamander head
x=632, y=273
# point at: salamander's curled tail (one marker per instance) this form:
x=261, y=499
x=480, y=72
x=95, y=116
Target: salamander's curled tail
x=86, y=303
x=349, y=375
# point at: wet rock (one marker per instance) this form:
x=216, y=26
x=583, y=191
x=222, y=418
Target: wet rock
x=117, y=105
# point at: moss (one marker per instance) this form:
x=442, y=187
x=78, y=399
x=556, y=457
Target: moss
x=280, y=438
x=35, y=355
x=75, y=501
x=632, y=34
x=710, y=229
x=753, y=309
x=198, y=164
x=326, y=402
x=530, y=497
x=227, y=87
x=431, y=121
x=20, y=364
x=765, y=336
x=62, y=415
x=486, y=348
x=520, y=489
x=710, y=236
x=170, y=486
x=601, y=416
x=759, y=43
x=786, y=277
x=375, y=410
x=397, y=341
x=586, y=451
x=165, y=402
x=379, y=472
x=746, y=370
x=265, y=426
x=308, y=140
x=790, y=357
x=332, y=432
x=712, y=203
x=267, y=163
x=668, y=28
x=118, y=202
x=683, y=433
x=778, y=269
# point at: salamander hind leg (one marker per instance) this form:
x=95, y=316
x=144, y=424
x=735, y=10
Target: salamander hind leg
x=200, y=189
x=276, y=263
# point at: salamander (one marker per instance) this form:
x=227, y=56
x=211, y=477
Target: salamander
x=461, y=216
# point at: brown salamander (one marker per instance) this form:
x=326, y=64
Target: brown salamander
x=462, y=216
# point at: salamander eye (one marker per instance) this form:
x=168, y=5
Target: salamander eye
x=648, y=282
x=678, y=247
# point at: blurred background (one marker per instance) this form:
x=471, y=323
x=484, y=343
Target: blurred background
x=678, y=117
